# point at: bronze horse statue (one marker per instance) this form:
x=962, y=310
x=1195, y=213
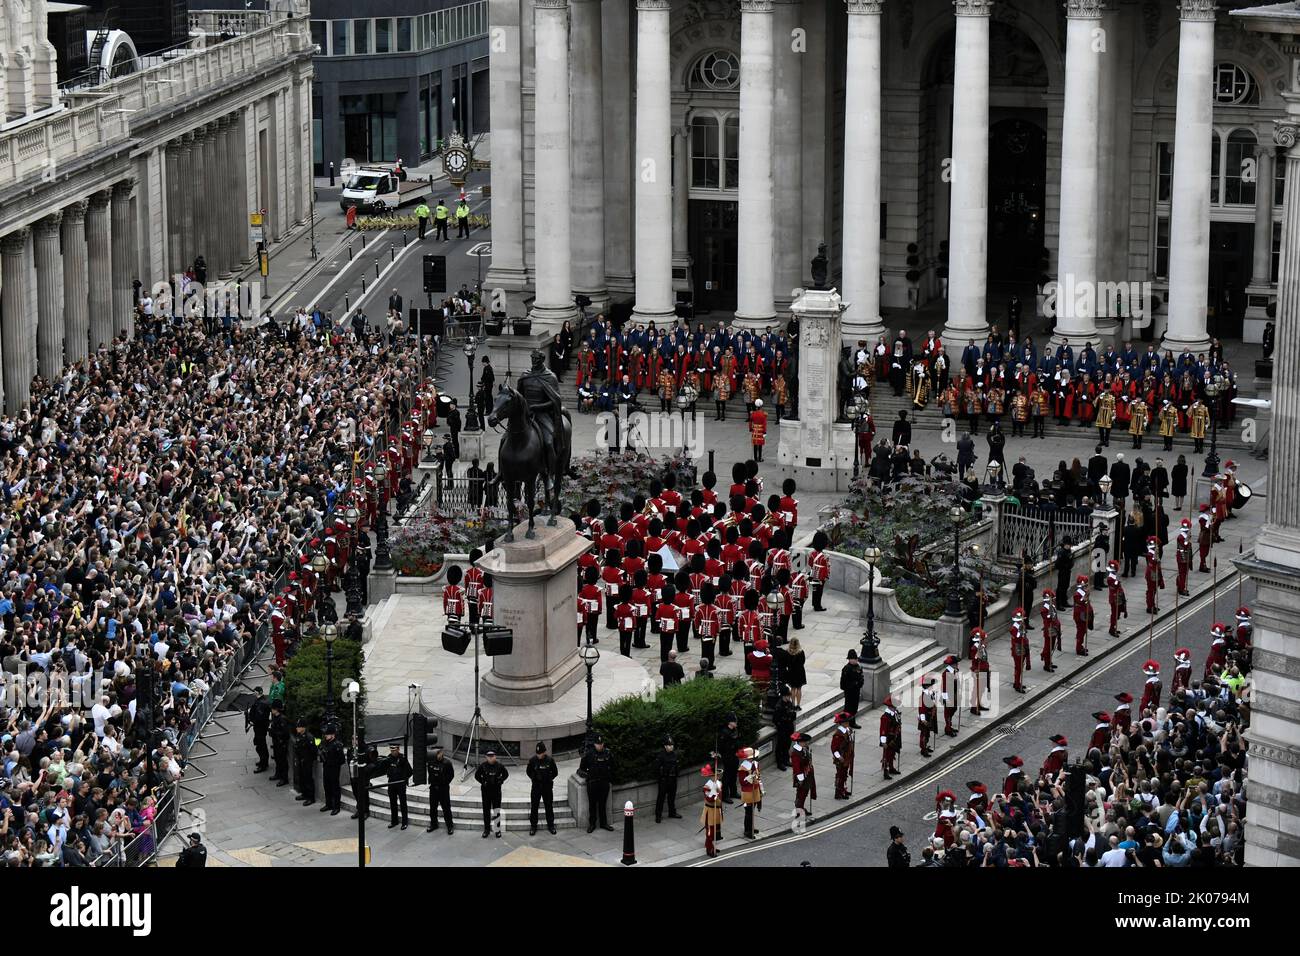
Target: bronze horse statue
x=525, y=456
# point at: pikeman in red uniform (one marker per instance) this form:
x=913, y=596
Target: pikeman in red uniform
x=1155, y=577
x=979, y=667
x=1101, y=733
x=1218, y=656
x=1015, y=773
x=1083, y=617
x=1122, y=719
x=891, y=738
x=1182, y=671
x=453, y=595
x=278, y=629
x=1056, y=757
x=927, y=714
x=948, y=693
x=1151, y=689
x=1051, y=628
x=1204, y=536
x=1183, y=554
x=945, y=824
x=711, y=814
x=1245, y=627
x=842, y=754
x=1019, y=649
x=801, y=768
x=977, y=804
x=1118, y=599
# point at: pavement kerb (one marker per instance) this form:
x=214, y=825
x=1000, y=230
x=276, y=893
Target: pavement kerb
x=967, y=743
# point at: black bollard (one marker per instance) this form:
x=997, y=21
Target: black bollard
x=346, y=304
x=363, y=240
x=629, y=839
x=392, y=253
x=376, y=268
x=331, y=174
x=349, y=252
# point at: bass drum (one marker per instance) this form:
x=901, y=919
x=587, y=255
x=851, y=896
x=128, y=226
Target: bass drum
x=1244, y=494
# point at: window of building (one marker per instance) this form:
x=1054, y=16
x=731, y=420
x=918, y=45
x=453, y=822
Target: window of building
x=731, y=145
x=1162, y=247
x=1239, y=168
x=1277, y=248
x=1279, y=177
x=340, y=37
x=320, y=34
x=1233, y=86
x=384, y=35
x=1215, y=168
x=1165, y=172
x=717, y=70
x=704, y=153
x=360, y=36
x=403, y=34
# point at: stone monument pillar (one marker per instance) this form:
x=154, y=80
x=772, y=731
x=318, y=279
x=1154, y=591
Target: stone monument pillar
x=534, y=596
x=813, y=459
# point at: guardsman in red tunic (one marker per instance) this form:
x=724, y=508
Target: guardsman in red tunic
x=706, y=622
x=277, y=630
x=611, y=581
x=842, y=746
x=945, y=824
x=1051, y=628
x=1182, y=671
x=799, y=591
x=801, y=769
x=453, y=595
x=819, y=568
x=711, y=814
x=1218, y=656
x=473, y=582
x=927, y=713
x=486, y=609
x=979, y=668
x=1100, y=733
x=625, y=618
x=1245, y=628
x=1122, y=719
x=1056, y=758
x=1183, y=554
x=1204, y=536
x=891, y=738
x=589, y=605
x=1083, y=618
x=758, y=429
x=1019, y=649
x=1015, y=774
x=1151, y=689
x=1155, y=577
x=948, y=693
x=1118, y=599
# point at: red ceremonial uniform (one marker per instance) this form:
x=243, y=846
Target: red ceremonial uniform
x=1019, y=652
x=1056, y=759
x=801, y=772
x=453, y=602
x=1150, y=694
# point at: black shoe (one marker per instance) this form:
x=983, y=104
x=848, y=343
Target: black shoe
x=336, y=811
x=659, y=819
x=404, y=825
x=498, y=834
x=430, y=829
x=259, y=770
x=855, y=726
x=309, y=803
x=590, y=829
x=674, y=816
x=608, y=827
x=354, y=816
x=551, y=829
x=393, y=824
x=532, y=831
x=282, y=783
x=486, y=834
x=728, y=800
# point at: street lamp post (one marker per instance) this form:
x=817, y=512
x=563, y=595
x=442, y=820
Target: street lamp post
x=471, y=414
x=1104, y=483
x=683, y=403
x=956, y=512
x=319, y=565
x=351, y=575
x=329, y=633
x=1213, y=388
x=590, y=656
x=383, y=559
x=870, y=644
x=427, y=441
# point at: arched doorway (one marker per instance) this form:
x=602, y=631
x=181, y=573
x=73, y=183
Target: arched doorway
x=1017, y=197
x=713, y=171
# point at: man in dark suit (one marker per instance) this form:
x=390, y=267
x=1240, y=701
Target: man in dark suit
x=902, y=430
x=1119, y=476
x=395, y=302
x=1097, y=468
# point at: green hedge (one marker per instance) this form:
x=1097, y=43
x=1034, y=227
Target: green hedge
x=304, y=684
x=693, y=713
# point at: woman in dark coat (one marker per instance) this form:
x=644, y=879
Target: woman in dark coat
x=1178, y=482
x=794, y=672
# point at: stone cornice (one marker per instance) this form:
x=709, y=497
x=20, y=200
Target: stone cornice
x=973, y=8
x=1196, y=10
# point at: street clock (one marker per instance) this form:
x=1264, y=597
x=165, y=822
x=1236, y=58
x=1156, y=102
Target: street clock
x=456, y=159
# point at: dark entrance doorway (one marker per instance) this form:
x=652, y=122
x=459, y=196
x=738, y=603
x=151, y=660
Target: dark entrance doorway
x=356, y=136
x=1017, y=196
x=714, y=232
x=1231, y=247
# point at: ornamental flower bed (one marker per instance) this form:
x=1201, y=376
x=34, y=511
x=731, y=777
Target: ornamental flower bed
x=611, y=480
x=420, y=546
x=909, y=522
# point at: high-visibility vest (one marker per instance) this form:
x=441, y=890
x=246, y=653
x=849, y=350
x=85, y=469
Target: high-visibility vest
x=422, y=211
x=462, y=211
x=440, y=212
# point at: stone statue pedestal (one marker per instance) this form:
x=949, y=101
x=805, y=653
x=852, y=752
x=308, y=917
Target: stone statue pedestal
x=812, y=455
x=534, y=595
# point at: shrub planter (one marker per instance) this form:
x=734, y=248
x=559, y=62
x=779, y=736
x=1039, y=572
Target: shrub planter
x=429, y=583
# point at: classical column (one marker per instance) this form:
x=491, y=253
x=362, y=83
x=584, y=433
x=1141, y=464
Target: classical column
x=99, y=253
x=968, y=232
x=214, y=159
x=123, y=256
x=236, y=215
x=861, y=243
x=787, y=147
x=588, y=156
x=1261, y=260
x=681, y=196
x=175, y=224
x=76, y=315
x=616, y=92
x=198, y=208
x=13, y=305
x=654, y=201
x=755, y=299
x=507, y=171
x=1189, y=216
x=185, y=207
x=551, y=197
x=1076, y=301
x=49, y=298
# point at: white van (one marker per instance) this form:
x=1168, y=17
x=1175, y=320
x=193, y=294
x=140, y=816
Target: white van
x=376, y=188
